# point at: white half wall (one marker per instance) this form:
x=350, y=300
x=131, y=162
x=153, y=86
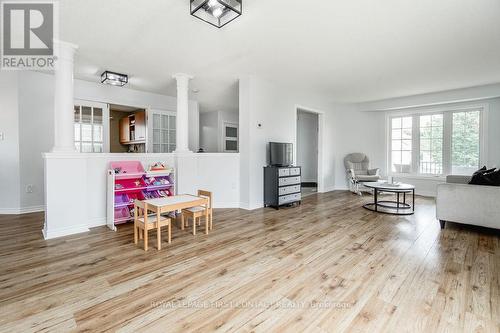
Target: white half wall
x=76, y=188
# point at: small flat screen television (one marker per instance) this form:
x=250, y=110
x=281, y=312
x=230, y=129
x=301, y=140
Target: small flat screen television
x=281, y=154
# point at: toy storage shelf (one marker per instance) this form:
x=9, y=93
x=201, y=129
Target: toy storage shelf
x=128, y=181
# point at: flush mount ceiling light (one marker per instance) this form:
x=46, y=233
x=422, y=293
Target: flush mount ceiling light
x=115, y=79
x=216, y=12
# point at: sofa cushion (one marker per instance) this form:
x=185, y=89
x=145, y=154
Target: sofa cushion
x=368, y=178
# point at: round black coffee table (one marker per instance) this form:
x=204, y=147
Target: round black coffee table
x=397, y=207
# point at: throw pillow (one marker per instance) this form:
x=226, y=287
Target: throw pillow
x=478, y=177
x=494, y=178
x=484, y=177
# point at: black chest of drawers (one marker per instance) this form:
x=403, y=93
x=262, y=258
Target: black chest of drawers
x=282, y=186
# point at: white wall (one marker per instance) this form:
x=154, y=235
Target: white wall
x=36, y=134
x=494, y=132
x=83, y=204
x=212, y=129
x=209, y=129
x=34, y=97
x=358, y=132
x=9, y=146
x=343, y=130
x=307, y=145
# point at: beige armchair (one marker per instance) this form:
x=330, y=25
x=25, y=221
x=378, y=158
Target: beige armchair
x=358, y=171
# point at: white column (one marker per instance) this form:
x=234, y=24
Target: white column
x=182, y=128
x=64, y=138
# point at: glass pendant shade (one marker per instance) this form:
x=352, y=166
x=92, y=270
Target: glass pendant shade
x=216, y=12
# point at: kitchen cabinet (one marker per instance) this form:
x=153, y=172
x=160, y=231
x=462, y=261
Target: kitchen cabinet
x=133, y=128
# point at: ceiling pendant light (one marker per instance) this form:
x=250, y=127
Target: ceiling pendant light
x=114, y=79
x=216, y=12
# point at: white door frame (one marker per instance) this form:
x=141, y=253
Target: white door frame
x=321, y=126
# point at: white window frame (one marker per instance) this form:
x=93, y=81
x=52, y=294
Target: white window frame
x=447, y=112
x=105, y=120
x=225, y=138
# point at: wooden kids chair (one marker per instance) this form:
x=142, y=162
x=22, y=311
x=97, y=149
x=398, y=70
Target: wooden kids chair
x=195, y=213
x=143, y=223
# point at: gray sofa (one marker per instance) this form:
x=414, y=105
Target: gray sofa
x=457, y=201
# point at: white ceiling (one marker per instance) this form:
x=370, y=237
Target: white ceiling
x=352, y=51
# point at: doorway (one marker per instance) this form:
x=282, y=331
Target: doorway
x=127, y=129
x=308, y=150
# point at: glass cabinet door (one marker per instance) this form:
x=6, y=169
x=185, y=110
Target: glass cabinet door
x=162, y=125
x=90, y=127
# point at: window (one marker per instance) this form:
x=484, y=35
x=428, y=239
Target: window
x=163, y=135
x=401, y=147
x=436, y=143
x=230, y=137
x=89, y=127
x=431, y=144
x=465, y=148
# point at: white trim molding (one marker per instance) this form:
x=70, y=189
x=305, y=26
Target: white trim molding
x=61, y=232
x=22, y=210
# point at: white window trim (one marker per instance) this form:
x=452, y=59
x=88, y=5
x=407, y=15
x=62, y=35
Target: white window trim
x=447, y=131
x=105, y=120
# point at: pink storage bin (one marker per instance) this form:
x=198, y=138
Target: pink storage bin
x=136, y=195
x=122, y=213
x=127, y=169
x=121, y=199
x=130, y=183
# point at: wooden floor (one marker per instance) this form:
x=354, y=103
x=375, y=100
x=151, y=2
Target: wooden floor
x=326, y=266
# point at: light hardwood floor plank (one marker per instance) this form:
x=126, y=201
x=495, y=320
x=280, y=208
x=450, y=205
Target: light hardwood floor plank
x=325, y=266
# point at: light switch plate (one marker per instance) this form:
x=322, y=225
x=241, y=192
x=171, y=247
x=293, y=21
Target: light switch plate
x=2, y=136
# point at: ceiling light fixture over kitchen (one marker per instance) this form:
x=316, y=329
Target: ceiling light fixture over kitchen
x=114, y=79
x=216, y=12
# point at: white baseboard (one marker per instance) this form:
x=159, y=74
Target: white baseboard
x=60, y=232
x=247, y=206
x=226, y=205
x=97, y=222
x=327, y=189
x=21, y=210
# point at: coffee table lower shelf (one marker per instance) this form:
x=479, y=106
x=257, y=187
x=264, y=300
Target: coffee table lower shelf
x=391, y=207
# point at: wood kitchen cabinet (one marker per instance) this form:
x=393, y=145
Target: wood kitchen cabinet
x=124, y=130
x=140, y=127
x=133, y=128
